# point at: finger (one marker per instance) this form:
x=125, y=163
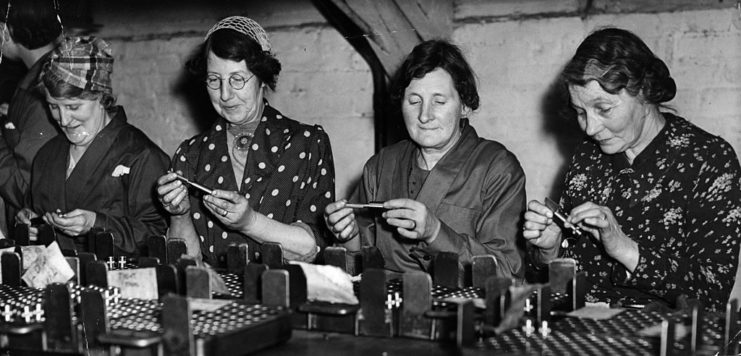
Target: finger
x=538, y=208
x=48, y=219
x=400, y=213
x=74, y=213
x=583, y=207
x=407, y=224
x=33, y=234
x=531, y=234
x=339, y=215
x=165, y=179
x=172, y=194
x=583, y=214
x=401, y=204
x=537, y=218
x=23, y=218
x=218, y=211
x=228, y=195
x=220, y=205
x=532, y=225
x=165, y=189
x=181, y=201
x=598, y=222
x=51, y=219
x=64, y=222
x=410, y=234
x=331, y=208
x=349, y=231
x=591, y=230
x=343, y=223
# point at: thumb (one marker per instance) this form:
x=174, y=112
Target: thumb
x=74, y=213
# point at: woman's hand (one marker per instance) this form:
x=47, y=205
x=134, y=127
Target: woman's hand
x=231, y=208
x=173, y=194
x=341, y=221
x=601, y=223
x=539, y=228
x=412, y=219
x=24, y=217
x=73, y=223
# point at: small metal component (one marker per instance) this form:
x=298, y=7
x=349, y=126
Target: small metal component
x=7, y=313
x=544, y=330
x=371, y=205
x=558, y=212
x=529, y=329
x=111, y=263
x=195, y=185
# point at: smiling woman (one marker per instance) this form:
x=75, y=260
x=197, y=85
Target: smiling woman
x=270, y=176
x=659, y=196
x=101, y=172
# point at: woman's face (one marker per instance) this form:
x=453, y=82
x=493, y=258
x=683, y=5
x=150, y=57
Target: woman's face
x=432, y=110
x=238, y=106
x=614, y=121
x=79, y=119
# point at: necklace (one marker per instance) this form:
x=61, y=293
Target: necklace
x=243, y=135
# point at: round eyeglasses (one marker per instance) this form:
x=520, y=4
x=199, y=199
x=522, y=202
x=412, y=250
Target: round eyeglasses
x=236, y=81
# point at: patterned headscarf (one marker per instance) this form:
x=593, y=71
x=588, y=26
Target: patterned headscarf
x=83, y=62
x=245, y=26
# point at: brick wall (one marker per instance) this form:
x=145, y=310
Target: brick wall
x=516, y=61
x=516, y=48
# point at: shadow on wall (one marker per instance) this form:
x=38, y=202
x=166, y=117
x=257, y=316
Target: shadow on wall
x=559, y=121
x=192, y=90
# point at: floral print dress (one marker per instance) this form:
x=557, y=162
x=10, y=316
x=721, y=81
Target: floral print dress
x=680, y=201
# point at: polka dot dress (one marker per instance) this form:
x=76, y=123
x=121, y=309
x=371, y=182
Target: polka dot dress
x=680, y=201
x=288, y=177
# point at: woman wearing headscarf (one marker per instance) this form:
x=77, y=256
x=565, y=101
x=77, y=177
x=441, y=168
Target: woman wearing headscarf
x=102, y=171
x=271, y=176
x=657, y=198
x=444, y=190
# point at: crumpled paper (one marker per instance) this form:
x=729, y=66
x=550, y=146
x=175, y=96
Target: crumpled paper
x=49, y=267
x=327, y=284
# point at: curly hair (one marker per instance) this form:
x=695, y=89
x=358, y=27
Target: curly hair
x=430, y=55
x=618, y=59
x=58, y=88
x=232, y=45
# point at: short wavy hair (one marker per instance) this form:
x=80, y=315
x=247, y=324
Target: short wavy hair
x=58, y=88
x=618, y=59
x=235, y=46
x=430, y=55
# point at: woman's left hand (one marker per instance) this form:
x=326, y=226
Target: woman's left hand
x=74, y=223
x=412, y=219
x=231, y=208
x=601, y=223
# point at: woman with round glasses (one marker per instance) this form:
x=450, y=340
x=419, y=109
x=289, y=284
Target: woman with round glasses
x=270, y=176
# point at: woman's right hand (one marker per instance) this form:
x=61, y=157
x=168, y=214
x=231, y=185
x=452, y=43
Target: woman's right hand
x=24, y=217
x=173, y=194
x=539, y=228
x=341, y=221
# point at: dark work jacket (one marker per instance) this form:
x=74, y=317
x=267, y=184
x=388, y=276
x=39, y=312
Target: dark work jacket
x=477, y=190
x=28, y=127
x=123, y=203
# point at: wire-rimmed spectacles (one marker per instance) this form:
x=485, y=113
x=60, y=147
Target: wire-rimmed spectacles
x=236, y=81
